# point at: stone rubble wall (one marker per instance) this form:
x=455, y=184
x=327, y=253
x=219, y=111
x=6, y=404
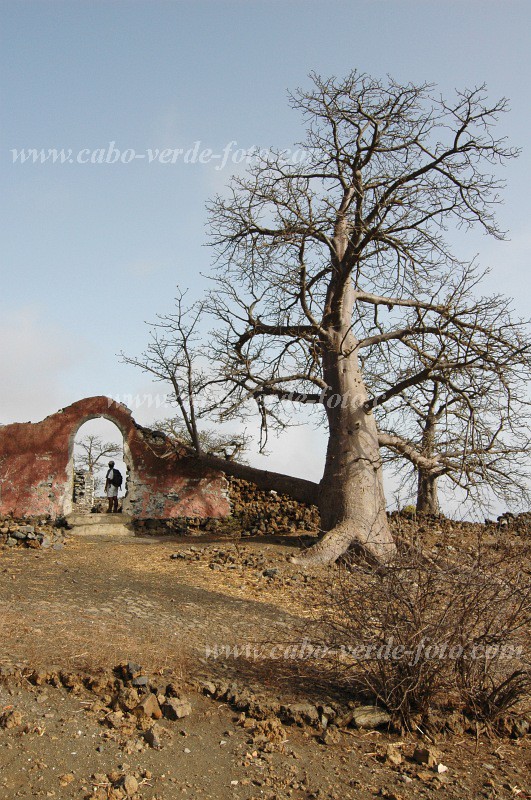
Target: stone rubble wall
x=83, y=491
x=42, y=533
x=254, y=512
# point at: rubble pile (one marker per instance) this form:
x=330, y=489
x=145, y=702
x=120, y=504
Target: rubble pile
x=36, y=533
x=437, y=532
x=260, y=512
x=129, y=702
x=255, y=512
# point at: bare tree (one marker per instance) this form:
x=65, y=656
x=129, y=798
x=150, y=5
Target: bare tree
x=227, y=446
x=477, y=445
x=92, y=450
x=320, y=260
x=468, y=422
x=174, y=356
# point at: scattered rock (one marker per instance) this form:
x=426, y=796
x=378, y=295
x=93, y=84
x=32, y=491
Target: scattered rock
x=392, y=756
x=133, y=670
x=270, y=573
x=130, y=785
x=425, y=777
x=149, y=705
x=11, y=718
x=268, y=734
x=175, y=708
x=71, y=681
x=128, y=698
x=370, y=717
x=426, y=755
x=330, y=736
x=153, y=737
x=115, y=719
x=300, y=714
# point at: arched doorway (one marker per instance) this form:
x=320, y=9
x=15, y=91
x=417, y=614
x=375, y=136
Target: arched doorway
x=94, y=442
x=37, y=467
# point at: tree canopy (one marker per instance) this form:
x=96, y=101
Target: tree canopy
x=335, y=284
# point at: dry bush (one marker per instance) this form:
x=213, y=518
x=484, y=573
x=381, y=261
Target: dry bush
x=427, y=633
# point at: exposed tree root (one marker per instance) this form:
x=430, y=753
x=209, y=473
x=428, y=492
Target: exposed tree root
x=340, y=539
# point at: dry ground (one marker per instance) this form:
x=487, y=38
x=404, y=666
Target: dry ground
x=105, y=599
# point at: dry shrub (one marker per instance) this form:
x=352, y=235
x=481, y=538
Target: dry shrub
x=434, y=632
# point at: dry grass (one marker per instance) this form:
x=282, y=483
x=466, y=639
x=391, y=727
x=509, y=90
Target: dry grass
x=82, y=644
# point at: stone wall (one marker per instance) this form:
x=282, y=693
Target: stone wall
x=42, y=533
x=37, y=467
x=255, y=512
x=83, y=498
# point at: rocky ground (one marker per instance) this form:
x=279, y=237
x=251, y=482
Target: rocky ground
x=119, y=675
x=64, y=737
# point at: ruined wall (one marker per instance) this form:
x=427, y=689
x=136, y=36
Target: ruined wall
x=83, y=497
x=36, y=467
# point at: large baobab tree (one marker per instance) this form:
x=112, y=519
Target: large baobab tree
x=320, y=260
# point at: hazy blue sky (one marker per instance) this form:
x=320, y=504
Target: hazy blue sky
x=90, y=251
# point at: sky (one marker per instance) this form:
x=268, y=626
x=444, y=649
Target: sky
x=91, y=251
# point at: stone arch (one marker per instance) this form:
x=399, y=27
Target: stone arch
x=164, y=482
x=130, y=478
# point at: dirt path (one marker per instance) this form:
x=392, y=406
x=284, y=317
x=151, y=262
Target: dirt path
x=122, y=596
x=104, y=599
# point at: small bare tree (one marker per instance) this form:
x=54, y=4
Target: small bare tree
x=466, y=423
x=92, y=450
x=320, y=260
x=174, y=356
x=228, y=446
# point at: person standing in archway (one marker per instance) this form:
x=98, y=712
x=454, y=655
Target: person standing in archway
x=113, y=481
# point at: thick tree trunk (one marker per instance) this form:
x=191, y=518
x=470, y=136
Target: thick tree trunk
x=351, y=497
x=427, y=499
